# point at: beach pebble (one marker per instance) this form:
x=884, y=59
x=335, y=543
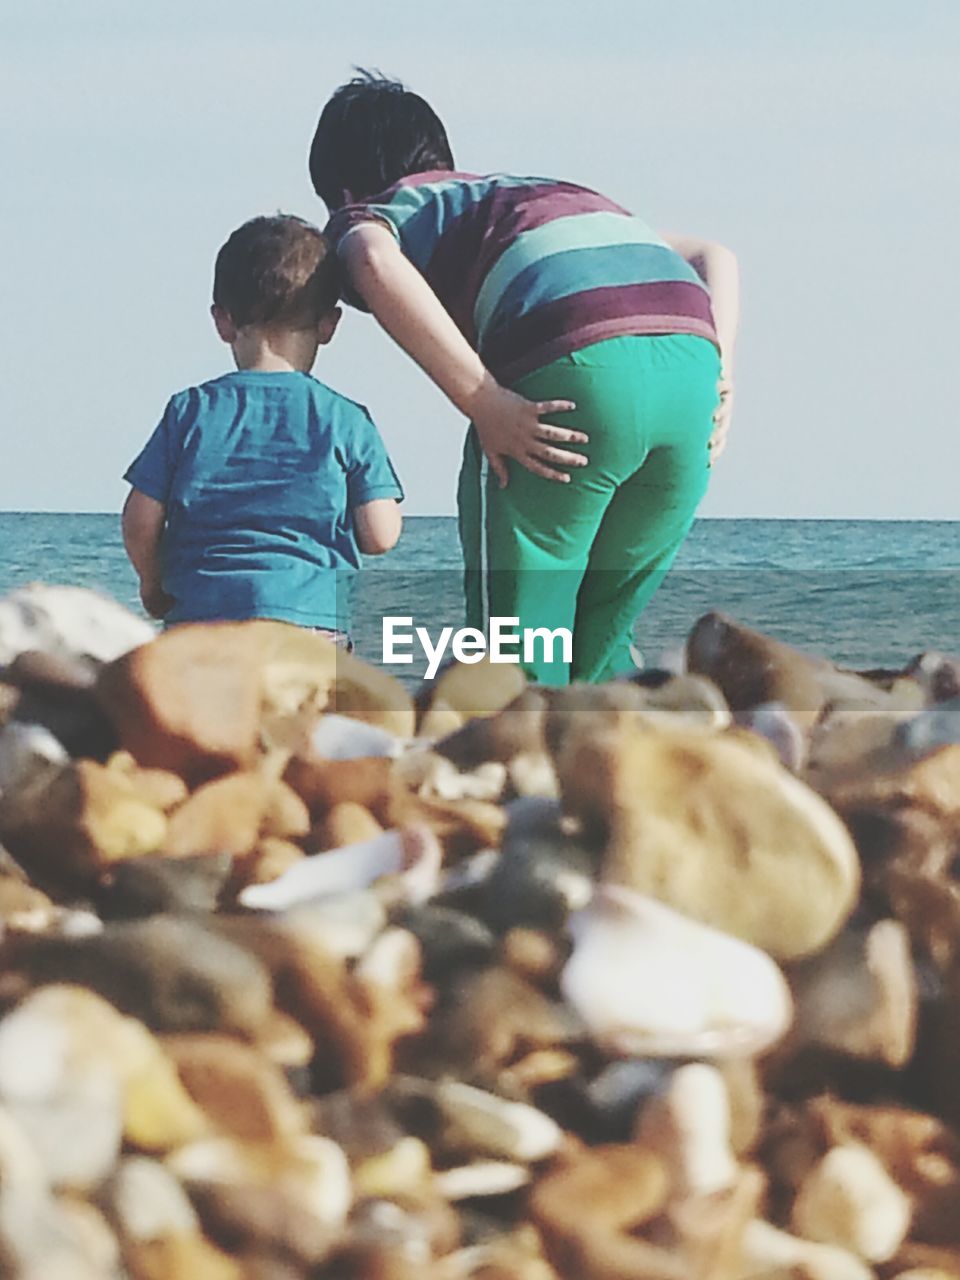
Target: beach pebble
x=345, y=824
x=480, y=689
x=759, y=855
x=67, y=623
x=449, y=939
x=152, y=885
x=542, y=873
x=229, y=815
x=751, y=668
x=146, y=1202
x=648, y=981
x=938, y=726
x=237, y=1089
x=688, y=1125
x=767, y=1253
x=292, y=1197
x=94, y=1058
x=850, y=1200
x=342, y=738
x=772, y=721
x=860, y=996
x=86, y=818
x=172, y=973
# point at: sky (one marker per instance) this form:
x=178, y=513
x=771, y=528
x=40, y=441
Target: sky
x=817, y=140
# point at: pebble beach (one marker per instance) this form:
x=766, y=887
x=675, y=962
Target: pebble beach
x=306, y=974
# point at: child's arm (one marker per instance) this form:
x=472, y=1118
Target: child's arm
x=142, y=525
x=508, y=425
x=377, y=525
x=717, y=267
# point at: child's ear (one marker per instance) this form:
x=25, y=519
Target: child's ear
x=223, y=324
x=328, y=325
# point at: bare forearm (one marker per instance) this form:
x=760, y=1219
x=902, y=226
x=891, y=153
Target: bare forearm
x=142, y=526
x=716, y=265
x=409, y=310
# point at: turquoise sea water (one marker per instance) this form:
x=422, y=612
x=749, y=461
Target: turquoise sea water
x=865, y=593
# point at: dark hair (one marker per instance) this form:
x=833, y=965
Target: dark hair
x=372, y=132
x=276, y=271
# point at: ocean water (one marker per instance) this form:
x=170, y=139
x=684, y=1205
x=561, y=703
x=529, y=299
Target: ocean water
x=864, y=593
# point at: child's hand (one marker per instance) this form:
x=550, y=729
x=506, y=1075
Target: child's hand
x=155, y=600
x=721, y=418
x=509, y=427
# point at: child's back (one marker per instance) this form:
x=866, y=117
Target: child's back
x=258, y=490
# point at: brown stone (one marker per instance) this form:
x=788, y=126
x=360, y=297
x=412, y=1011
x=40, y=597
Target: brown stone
x=325, y=783
x=239, y=1090
x=751, y=668
x=589, y=1210
x=189, y=701
x=85, y=817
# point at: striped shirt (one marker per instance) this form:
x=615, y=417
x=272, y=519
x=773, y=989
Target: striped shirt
x=531, y=269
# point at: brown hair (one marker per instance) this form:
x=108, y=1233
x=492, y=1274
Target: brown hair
x=276, y=271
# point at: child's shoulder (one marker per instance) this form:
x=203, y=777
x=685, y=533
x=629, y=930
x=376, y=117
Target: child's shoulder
x=335, y=401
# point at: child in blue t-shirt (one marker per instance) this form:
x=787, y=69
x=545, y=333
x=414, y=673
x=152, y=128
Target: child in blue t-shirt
x=258, y=490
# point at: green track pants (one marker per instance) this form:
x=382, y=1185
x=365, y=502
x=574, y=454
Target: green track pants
x=587, y=556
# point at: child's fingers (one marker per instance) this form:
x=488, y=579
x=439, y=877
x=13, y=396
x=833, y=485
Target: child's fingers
x=555, y=406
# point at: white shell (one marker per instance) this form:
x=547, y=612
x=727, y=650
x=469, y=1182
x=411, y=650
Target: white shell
x=68, y=622
x=493, y=1126
x=648, y=981
x=483, y=1178
x=412, y=854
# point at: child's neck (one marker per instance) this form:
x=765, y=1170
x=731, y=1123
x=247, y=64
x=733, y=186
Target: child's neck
x=275, y=351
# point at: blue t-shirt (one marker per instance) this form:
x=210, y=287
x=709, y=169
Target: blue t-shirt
x=258, y=473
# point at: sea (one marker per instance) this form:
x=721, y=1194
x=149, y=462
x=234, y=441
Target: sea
x=865, y=593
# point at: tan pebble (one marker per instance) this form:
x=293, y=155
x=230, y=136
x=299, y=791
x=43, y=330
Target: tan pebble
x=347, y=823
x=533, y=954
x=394, y=1173
x=184, y=1256
x=286, y=816
x=223, y=816
x=481, y=689
x=439, y=720
x=759, y=855
x=268, y=862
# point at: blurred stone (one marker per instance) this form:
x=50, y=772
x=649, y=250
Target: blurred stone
x=292, y=1198
x=172, y=973
x=241, y=1092
x=346, y=823
x=751, y=668
x=67, y=623
x=542, y=873
x=84, y=818
x=480, y=689
x=153, y=885
x=849, y=1200
x=146, y=1202
x=859, y=996
x=759, y=855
